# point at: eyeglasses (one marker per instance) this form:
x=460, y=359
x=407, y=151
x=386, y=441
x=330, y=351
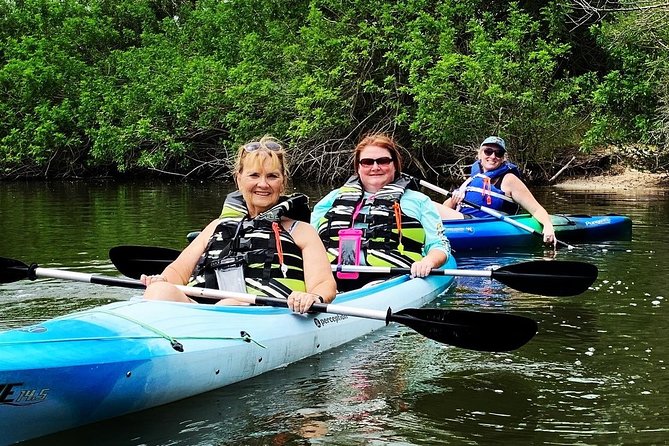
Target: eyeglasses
x=499, y=153
x=369, y=162
x=269, y=145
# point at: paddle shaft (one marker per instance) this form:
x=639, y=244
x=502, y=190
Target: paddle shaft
x=536, y=277
x=399, y=270
x=208, y=293
x=493, y=212
x=498, y=274
x=164, y=256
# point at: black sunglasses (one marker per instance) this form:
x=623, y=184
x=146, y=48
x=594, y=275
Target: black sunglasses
x=499, y=153
x=269, y=145
x=383, y=161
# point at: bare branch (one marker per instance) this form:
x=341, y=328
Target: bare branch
x=593, y=11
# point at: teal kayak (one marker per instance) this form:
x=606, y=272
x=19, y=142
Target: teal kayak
x=133, y=355
x=495, y=234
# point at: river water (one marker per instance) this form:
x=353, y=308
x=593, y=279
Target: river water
x=596, y=373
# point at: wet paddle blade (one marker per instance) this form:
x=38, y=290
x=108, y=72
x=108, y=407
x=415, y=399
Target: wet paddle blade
x=12, y=270
x=549, y=278
x=493, y=332
x=133, y=261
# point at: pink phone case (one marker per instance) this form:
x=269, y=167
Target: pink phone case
x=349, y=251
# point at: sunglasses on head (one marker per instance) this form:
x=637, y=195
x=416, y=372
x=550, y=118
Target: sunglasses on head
x=269, y=145
x=499, y=153
x=383, y=161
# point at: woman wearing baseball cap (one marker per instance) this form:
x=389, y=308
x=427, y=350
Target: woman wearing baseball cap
x=495, y=183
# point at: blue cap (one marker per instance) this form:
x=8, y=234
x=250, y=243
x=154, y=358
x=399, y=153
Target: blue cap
x=496, y=140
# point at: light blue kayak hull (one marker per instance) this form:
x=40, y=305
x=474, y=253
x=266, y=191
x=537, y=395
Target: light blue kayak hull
x=118, y=358
x=495, y=234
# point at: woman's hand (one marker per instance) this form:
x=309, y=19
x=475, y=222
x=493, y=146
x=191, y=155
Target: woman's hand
x=458, y=195
x=550, y=239
x=148, y=280
x=301, y=302
x=549, y=235
x=421, y=268
x=455, y=199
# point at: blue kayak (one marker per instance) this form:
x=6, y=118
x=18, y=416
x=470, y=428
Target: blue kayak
x=132, y=355
x=495, y=234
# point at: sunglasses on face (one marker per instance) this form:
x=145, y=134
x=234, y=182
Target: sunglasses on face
x=383, y=161
x=498, y=152
x=269, y=145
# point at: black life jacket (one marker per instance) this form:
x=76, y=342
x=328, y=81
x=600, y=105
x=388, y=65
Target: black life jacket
x=378, y=217
x=272, y=262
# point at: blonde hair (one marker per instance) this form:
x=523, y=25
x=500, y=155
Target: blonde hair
x=260, y=152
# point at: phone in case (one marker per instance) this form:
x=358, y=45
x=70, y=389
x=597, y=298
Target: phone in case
x=349, y=251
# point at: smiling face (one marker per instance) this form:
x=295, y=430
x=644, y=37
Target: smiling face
x=492, y=161
x=261, y=181
x=376, y=176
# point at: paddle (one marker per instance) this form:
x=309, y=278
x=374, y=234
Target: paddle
x=548, y=278
x=493, y=212
x=134, y=260
x=464, y=329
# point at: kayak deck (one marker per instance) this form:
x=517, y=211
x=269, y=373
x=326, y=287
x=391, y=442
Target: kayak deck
x=494, y=234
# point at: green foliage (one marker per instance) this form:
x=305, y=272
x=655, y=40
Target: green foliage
x=506, y=81
x=49, y=50
x=626, y=101
x=101, y=86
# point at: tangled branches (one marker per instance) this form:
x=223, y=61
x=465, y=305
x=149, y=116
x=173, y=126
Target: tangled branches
x=593, y=11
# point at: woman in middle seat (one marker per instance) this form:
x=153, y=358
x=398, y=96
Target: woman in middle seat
x=400, y=227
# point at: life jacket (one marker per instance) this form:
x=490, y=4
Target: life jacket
x=389, y=238
x=271, y=260
x=483, y=189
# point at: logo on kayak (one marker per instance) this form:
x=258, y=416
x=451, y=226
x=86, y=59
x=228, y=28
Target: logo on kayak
x=33, y=329
x=601, y=221
x=323, y=321
x=14, y=394
x=468, y=229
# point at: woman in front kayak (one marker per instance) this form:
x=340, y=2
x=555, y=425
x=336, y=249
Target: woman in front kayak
x=394, y=225
x=495, y=183
x=258, y=245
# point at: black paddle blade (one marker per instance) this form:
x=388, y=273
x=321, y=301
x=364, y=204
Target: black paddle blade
x=133, y=261
x=12, y=270
x=548, y=277
x=492, y=332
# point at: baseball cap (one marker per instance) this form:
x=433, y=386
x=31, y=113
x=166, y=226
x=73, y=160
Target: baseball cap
x=496, y=140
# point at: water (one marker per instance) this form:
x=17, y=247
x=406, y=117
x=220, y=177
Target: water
x=594, y=374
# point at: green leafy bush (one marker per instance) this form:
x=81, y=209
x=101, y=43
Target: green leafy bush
x=100, y=87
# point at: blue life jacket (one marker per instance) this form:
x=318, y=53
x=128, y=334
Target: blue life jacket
x=483, y=189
